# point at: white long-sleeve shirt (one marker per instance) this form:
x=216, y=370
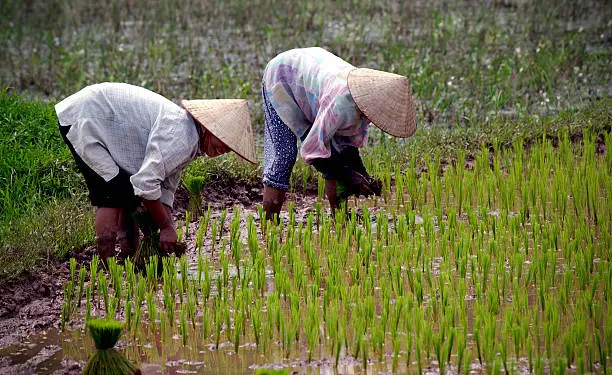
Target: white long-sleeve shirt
x=117, y=125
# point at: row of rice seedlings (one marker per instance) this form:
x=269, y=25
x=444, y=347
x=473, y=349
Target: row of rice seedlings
x=408, y=278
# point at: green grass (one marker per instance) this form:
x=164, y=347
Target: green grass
x=41, y=212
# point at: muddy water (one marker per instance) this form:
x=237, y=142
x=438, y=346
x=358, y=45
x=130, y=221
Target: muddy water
x=56, y=352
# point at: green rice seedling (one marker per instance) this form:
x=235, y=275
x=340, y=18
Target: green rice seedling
x=222, y=222
x=103, y=290
x=130, y=275
x=311, y=327
x=73, y=271
x=151, y=308
x=602, y=351
x=235, y=245
x=291, y=213
x=194, y=185
x=238, y=326
x=152, y=267
x=378, y=337
x=107, y=360
x=128, y=314
x=338, y=344
x=202, y=223
x=113, y=306
x=287, y=336
x=82, y=275
x=192, y=303
x=93, y=273
x=218, y=317
x=67, y=304
x=438, y=341
x=169, y=305
x=252, y=241
x=271, y=372
x=359, y=328
x=179, y=231
x=140, y=289
x=116, y=274
x=224, y=268
x=163, y=329
x=461, y=349
x=87, y=303
x=183, y=325
x=200, y=268
x=364, y=356
x=149, y=247
x=396, y=343
x=205, y=322
x=187, y=221
x=214, y=232
x=206, y=284
x=182, y=282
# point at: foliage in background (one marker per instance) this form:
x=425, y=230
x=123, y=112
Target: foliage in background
x=467, y=60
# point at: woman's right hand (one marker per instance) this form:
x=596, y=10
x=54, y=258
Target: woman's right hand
x=167, y=239
x=162, y=217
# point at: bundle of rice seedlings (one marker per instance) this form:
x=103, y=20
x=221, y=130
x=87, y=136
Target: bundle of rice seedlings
x=149, y=246
x=107, y=360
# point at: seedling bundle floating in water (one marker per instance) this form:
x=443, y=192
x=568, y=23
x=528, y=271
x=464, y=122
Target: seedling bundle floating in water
x=106, y=360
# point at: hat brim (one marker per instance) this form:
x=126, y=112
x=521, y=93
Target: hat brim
x=385, y=99
x=228, y=120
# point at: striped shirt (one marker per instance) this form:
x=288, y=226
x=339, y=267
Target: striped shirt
x=116, y=125
x=308, y=88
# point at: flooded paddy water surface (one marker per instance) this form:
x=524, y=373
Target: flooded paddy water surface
x=503, y=266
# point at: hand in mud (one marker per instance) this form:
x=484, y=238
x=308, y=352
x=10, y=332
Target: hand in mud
x=365, y=185
x=167, y=239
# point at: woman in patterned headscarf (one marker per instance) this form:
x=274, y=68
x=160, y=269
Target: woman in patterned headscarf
x=314, y=96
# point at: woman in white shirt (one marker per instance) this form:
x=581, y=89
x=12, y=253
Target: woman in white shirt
x=131, y=146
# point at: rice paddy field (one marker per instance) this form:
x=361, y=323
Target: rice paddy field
x=488, y=252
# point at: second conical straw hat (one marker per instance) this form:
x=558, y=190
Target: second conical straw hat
x=229, y=120
x=385, y=99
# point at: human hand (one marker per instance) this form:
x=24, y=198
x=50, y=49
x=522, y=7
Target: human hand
x=333, y=193
x=167, y=238
x=362, y=184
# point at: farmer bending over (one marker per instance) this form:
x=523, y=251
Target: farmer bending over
x=131, y=145
x=327, y=103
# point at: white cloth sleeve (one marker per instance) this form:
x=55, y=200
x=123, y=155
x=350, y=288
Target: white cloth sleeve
x=168, y=188
x=167, y=153
x=152, y=172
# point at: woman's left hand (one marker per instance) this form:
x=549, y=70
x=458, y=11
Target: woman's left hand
x=365, y=185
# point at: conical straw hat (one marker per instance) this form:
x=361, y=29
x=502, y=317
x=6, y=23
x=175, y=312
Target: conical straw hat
x=227, y=119
x=385, y=99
